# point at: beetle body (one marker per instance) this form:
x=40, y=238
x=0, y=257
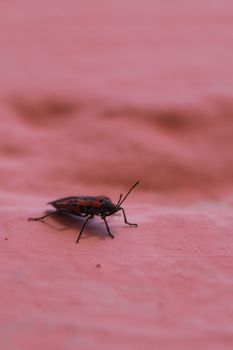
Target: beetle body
x=85, y=205
x=89, y=206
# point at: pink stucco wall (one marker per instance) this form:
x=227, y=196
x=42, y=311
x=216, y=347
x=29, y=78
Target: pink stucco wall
x=93, y=97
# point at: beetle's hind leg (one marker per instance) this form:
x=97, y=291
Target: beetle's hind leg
x=45, y=216
x=108, y=229
x=125, y=218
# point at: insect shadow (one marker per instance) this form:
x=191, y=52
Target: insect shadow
x=71, y=222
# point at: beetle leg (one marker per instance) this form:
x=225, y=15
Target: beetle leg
x=45, y=216
x=125, y=218
x=108, y=229
x=80, y=233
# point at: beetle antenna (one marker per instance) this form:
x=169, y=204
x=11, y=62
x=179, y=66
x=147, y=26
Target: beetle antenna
x=121, y=201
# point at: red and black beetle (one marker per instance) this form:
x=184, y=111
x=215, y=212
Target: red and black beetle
x=89, y=206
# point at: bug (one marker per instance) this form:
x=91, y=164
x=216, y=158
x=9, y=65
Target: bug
x=89, y=206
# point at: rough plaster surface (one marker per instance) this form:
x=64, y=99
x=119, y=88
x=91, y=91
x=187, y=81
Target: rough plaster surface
x=94, y=97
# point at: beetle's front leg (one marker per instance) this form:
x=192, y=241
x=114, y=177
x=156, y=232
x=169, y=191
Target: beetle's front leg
x=108, y=229
x=125, y=218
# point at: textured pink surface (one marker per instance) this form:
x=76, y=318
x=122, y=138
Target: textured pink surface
x=93, y=98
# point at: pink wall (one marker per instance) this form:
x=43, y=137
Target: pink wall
x=93, y=97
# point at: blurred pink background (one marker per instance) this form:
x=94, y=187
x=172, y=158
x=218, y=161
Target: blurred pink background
x=93, y=97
